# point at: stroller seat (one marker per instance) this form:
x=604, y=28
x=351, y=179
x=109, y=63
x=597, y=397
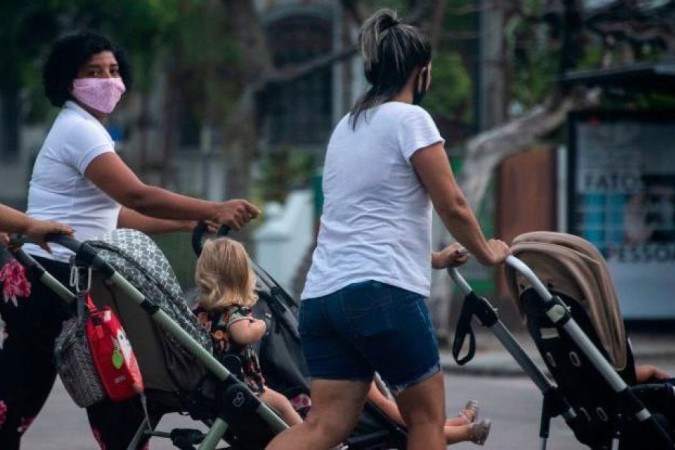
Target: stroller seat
x=176, y=379
x=165, y=365
x=575, y=272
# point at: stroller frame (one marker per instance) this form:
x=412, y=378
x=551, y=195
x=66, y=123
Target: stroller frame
x=236, y=392
x=554, y=403
x=558, y=313
x=375, y=431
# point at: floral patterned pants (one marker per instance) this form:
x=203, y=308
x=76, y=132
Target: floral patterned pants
x=30, y=320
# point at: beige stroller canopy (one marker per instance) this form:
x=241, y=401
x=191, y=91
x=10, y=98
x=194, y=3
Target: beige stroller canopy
x=571, y=266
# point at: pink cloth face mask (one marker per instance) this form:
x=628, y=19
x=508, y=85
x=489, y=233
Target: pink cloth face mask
x=101, y=94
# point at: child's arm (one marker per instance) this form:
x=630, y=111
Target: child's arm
x=646, y=372
x=247, y=331
x=386, y=405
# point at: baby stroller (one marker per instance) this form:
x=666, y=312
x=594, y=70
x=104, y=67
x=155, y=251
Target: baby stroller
x=180, y=374
x=281, y=345
x=562, y=288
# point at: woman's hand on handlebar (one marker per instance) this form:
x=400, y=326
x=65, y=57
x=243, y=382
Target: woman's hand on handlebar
x=235, y=213
x=499, y=251
x=38, y=230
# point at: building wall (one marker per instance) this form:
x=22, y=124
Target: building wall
x=526, y=197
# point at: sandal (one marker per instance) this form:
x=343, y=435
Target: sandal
x=470, y=411
x=479, y=431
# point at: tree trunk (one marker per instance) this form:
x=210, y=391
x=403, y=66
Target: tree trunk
x=171, y=124
x=241, y=128
x=239, y=148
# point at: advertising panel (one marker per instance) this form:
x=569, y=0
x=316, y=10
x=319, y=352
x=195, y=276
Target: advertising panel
x=622, y=199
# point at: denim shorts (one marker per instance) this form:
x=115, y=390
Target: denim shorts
x=369, y=327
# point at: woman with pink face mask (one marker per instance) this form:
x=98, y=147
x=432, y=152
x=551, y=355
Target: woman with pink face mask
x=79, y=180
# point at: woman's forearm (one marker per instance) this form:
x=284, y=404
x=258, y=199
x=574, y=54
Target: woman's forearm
x=13, y=221
x=128, y=218
x=111, y=175
x=162, y=204
x=461, y=222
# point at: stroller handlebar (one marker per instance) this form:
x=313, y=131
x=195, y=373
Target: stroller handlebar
x=524, y=270
x=517, y=265
x=198, y=235
x=459, y=280
x=65, y=240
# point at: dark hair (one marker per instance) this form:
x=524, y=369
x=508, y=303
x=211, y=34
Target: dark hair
x=68, y=55
x=391, y=52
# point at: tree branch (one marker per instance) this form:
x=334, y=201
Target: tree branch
x=486, y=150
x=277, y=77
x=286, y=75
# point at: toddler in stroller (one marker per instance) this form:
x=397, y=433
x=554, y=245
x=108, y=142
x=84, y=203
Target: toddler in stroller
x=227, y=294
x=568, y=296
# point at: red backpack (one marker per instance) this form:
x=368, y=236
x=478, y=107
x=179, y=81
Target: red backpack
x=112, y=353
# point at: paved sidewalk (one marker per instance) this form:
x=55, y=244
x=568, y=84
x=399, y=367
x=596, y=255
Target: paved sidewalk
x=654, y=346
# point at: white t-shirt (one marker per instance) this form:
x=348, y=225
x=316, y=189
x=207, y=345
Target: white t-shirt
x=58, y=188
x=376, y=221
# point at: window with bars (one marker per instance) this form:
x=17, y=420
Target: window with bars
x=299, y=112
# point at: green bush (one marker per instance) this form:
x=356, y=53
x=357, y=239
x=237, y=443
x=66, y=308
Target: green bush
x=178, y=250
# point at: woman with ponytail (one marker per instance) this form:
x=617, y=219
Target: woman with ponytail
x=363, y=305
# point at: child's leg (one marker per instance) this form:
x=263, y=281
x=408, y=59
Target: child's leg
x=282, y=405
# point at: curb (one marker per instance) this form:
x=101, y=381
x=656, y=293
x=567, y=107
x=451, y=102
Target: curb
x=494, y=359
x=492, y=363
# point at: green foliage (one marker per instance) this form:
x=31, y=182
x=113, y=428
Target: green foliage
x=207, y=53
x=400, y=6
x=25, y=29
x=651, y=101
x=282, y=171
x=535, y=59
x=592, y=57
x=178, y=250
x=450, y=94
x=204, y=35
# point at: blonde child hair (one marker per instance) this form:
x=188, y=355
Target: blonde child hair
x=224, y=275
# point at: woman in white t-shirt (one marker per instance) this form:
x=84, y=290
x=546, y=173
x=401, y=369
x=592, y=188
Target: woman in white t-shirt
x=80, y=181
x=363, y=305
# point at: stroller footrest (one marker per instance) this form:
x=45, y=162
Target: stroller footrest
x=186, y=437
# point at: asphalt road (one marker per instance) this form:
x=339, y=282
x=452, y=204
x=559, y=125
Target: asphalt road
x=511, y=402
